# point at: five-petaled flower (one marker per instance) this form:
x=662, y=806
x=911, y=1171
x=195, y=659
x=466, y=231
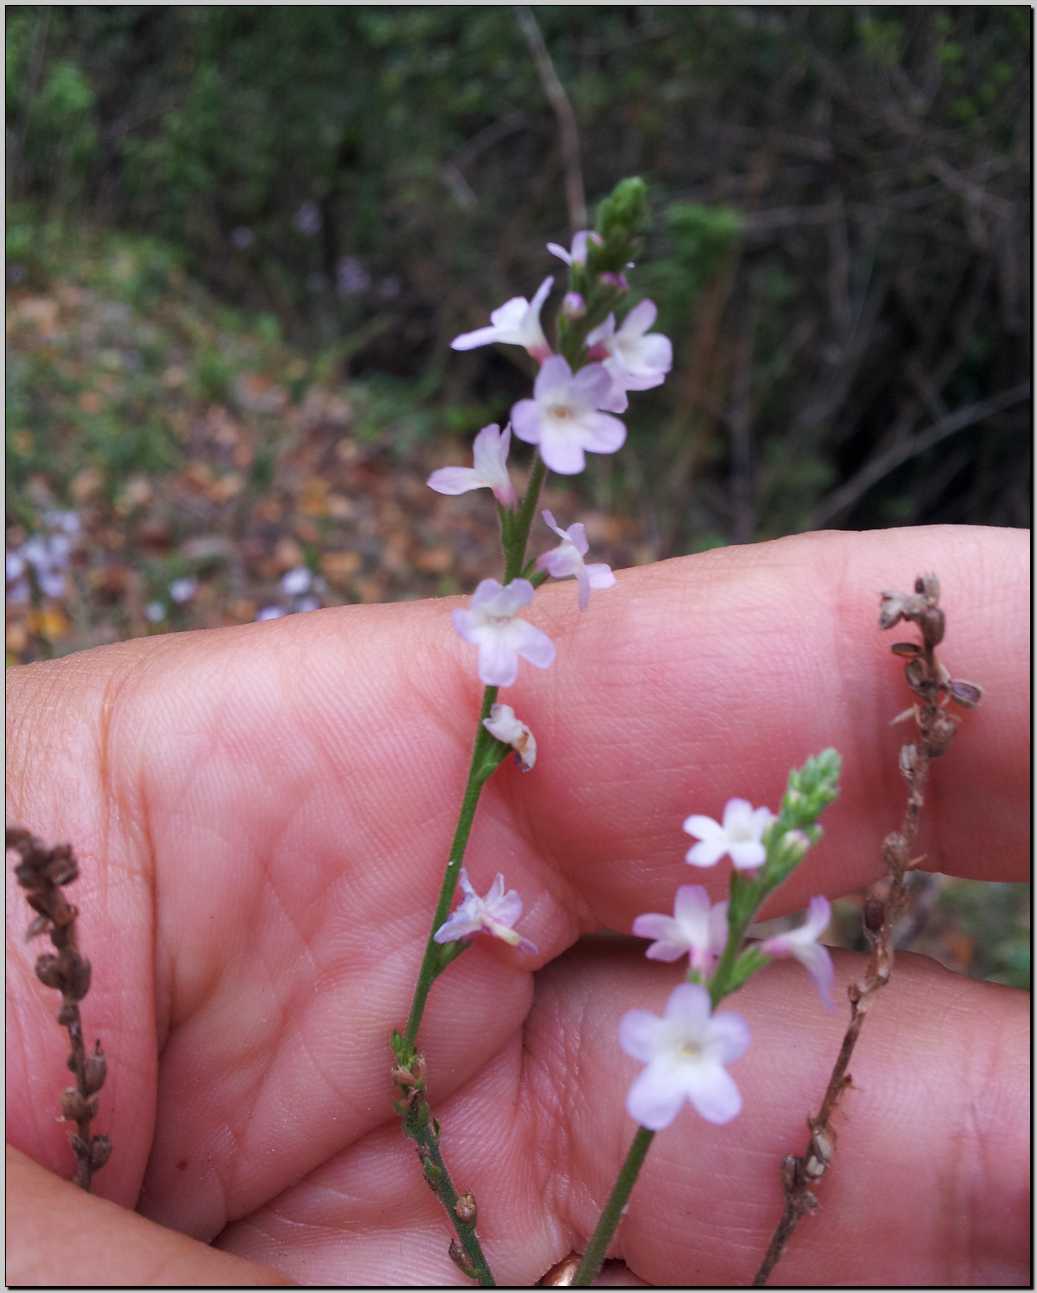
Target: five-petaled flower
x=495, y=914
x=685, y=1052
x=568, y=559
x=516, y=323
x=507, y=727
x=565, y=416
x=490, y=454
x=740, y=836
x=695, y=929
x=492, y=625
x=636, y=359
x=802, y=943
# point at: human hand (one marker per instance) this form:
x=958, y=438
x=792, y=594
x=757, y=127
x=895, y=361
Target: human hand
x=262, y=816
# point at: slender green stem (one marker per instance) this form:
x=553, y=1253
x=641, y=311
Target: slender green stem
x=609, y=1219
x=515, y=549
x=431, y=962
x=424, y=1130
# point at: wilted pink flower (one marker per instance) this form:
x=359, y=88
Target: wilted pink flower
x=495, y=914
x=695, y=930
x=564, y=416
x=505, y=726
x=567, y=559
x=685, y=1052
x=634, y=360
x=803, y=945
x=516, y=323
x=578, y=255
x=492, y=625
x=741, y=836
x=490, y=454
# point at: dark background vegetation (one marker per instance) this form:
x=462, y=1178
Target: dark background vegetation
x=239, y=240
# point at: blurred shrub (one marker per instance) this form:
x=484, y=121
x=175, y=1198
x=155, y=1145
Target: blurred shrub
x=841, y=248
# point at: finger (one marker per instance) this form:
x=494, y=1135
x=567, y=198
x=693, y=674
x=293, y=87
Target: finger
x=58, y=1235
x=929, y=1183
x=290, y=790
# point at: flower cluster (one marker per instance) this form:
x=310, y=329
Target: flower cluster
x=686, y=1050
x=579, y=389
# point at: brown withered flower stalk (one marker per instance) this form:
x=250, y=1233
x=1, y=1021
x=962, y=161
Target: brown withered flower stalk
x=43, y=873
x=933, y=688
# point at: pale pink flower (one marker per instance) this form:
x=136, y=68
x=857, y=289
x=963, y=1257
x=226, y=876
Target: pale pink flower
x=740, y=836
x=685, y=1052
x=802, y=943
x=695, y=930
x=636, y=359
x=515, y=323
x=490, y=455
x=577, y=257
x=505, y=726
x=495, y=914
x=568, y=559
x=564, y=416
x=492, y=625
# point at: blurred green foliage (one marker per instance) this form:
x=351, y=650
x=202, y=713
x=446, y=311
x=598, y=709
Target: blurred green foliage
x=840, y=245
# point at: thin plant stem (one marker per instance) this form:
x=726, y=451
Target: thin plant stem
x=418, y=1121
x=610, y=1217
x=430, y=965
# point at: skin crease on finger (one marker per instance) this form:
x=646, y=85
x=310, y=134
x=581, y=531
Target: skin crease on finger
x=255, y=810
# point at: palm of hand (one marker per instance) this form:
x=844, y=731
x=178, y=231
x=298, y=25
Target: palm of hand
x=267, y=830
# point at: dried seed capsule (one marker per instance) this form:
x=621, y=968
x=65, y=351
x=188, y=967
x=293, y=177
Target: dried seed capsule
x=95, y=1070
x=929, y=586
x=62, y=868
x=100, y=1151
x=49, y=970
x=465, y=1208
x=75, y=1106
x=891, y=609
x=933, y=624
x=909, y=649
x=909, y=760
x=77, y=977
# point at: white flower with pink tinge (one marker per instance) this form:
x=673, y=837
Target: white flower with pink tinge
x=695, y=930
x=496, y=914
x=490, y=455
x=740, y=836
x=568, y=559
x=636, y=359
x=565, y=416
x=685, y=1052
x=577, y=257
x=515, y=323
x=492, y=625
x=802, y=943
